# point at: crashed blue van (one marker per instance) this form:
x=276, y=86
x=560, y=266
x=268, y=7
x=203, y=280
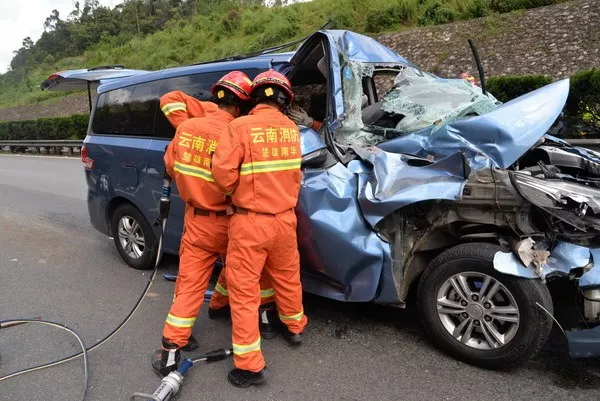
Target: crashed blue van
x=414, y=184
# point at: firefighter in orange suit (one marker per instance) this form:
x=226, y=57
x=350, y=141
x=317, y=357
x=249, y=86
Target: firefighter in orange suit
x=258, y=163
x=207, y=213
x=177, y=108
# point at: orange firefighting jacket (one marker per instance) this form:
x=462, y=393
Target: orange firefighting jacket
x=258, y=161
x=188, y=160
x=178, y=107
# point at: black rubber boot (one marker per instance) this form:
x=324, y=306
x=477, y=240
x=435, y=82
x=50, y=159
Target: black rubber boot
x=191, y=345
x=166, y=360
x=224, y=312
x=268, y=321
x=292, y=338
x=245, y=378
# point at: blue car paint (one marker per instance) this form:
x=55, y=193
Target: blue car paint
x=111, y=179
x=393, y=182
x=329, y=219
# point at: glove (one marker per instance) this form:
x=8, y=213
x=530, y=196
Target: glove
x=300, y=117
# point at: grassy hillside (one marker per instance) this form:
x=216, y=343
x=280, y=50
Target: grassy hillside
x=225, y=27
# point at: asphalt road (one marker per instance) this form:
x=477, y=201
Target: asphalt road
x=54, y=265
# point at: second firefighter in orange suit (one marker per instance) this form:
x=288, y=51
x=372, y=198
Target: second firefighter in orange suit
x=177, y=108
x=258, y=163
x=207, y=213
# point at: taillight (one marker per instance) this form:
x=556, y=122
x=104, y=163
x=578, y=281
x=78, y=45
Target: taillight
x=88, y=163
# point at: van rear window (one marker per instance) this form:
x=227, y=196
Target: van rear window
x=127, y=111
x=135, y=111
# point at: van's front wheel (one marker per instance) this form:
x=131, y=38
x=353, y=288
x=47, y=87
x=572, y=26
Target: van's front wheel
x=133, y=237
x=479, y=315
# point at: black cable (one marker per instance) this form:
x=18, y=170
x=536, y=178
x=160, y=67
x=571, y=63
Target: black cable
x=8, y=323
x=85, y=350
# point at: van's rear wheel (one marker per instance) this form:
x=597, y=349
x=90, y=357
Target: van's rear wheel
x=133, y=237
x=479, y=315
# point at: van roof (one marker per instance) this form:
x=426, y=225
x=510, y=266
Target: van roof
x=260, y=61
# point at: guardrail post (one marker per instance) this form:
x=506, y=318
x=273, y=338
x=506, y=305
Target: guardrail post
x=70, y=150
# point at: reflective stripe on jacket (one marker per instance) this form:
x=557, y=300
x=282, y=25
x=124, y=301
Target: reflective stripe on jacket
x=178, y=107
x=258, y=161
x=188, y=160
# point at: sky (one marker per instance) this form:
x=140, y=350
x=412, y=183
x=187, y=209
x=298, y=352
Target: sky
x=22, y=18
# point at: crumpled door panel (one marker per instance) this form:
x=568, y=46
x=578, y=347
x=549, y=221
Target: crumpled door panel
x=335, y=240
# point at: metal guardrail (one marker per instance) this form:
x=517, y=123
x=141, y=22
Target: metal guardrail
x=56, y=146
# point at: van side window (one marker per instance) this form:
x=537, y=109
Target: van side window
x=198, y=86
x=127, y=111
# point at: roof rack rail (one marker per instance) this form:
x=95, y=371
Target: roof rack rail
x=263, y=51
x=107, y=67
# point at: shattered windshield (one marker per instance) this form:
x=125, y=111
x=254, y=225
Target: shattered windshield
x=426, y=100
x=416, y=100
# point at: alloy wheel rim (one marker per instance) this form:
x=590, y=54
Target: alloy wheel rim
x=478, y=310
x=131, y=237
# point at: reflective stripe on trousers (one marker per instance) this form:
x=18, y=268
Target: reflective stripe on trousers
x=180, y=321
x=242, y=349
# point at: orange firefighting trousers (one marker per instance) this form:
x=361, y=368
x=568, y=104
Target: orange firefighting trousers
x=257, y=241
x=204, y=239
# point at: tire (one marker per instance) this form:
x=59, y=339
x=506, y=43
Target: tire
x=448, y=326
x=128, y=220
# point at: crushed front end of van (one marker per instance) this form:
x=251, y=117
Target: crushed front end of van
x=443, y=188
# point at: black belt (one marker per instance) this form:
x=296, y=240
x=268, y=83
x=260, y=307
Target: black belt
x=242, y=210
x=204, y=212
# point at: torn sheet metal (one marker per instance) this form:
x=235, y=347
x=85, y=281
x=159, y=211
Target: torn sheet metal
x=530, y=256
x=563, y=258
x=397, y=180
x=327, y=211
x=497, y=138
x=584, y=343
x=426, y=101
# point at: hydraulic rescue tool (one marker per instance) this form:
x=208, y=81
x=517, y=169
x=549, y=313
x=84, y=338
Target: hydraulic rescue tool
x=170, y=384
x=164, y=204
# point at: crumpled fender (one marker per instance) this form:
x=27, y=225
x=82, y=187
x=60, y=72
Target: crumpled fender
x=583, y=343
x=396, y=180
x=563, y=258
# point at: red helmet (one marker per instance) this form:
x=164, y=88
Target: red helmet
x=236, y=82
x=273, y=78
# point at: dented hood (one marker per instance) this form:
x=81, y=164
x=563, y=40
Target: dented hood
x=498, y=138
